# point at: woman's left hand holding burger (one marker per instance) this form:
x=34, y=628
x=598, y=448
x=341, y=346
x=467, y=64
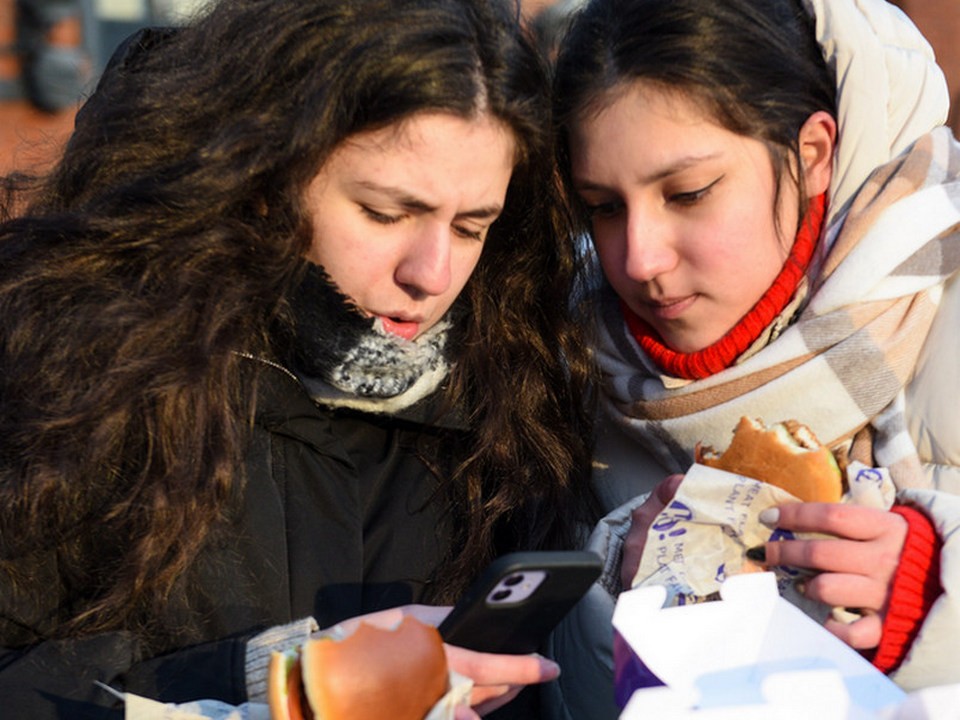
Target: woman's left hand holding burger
x=497, y=679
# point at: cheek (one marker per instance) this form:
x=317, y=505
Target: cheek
x=610, y=245
x=746, y=267
x=612, y=262
x=462, y=266
x=344, y=252
x=742, y=238
x=314, y=252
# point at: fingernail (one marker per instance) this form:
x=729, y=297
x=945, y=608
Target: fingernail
x=548, y=668
x=769, y=517
x=847, y=616
x=758, y=553
x=801, y=586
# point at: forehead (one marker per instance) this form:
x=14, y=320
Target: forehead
x=420, y=130
x=650, y=113
x=639, y=133
x=641, y=98
x=435, y=159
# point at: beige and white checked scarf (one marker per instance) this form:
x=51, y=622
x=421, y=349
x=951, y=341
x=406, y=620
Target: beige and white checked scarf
x=841, y=365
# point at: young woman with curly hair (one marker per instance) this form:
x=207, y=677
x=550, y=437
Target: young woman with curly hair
x=284, y=340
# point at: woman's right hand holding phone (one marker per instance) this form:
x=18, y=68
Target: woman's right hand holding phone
x=497, y=679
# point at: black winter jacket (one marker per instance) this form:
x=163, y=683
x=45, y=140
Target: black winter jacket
x=338, y=517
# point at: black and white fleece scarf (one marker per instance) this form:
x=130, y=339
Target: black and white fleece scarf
x=346, y=359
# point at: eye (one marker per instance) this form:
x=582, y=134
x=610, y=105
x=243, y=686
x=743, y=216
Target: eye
x=603, y=209
x=380, y=217
x=469, y=234
x=692, y=197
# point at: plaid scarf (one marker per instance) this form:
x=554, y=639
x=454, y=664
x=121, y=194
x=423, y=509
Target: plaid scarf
x=838, y=362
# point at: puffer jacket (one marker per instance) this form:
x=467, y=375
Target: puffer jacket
x=314, y=532
x=583, y=642
x=891, y=93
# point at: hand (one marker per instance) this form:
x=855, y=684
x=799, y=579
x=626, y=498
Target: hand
x=390, y=618
x=641, y=519
x=856, y=567
x=497, y=679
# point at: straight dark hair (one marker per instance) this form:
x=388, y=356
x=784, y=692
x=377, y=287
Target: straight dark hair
x=754, y=65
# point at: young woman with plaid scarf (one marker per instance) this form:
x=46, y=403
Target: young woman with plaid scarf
x=775, y=205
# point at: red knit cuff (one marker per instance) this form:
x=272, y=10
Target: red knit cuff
x=916, y=585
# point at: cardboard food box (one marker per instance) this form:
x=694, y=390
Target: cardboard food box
x=750, y=654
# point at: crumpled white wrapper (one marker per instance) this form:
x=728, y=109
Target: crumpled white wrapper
x=140, y=708
x=700, y=538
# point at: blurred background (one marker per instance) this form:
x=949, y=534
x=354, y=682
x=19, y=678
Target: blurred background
x=52, y=51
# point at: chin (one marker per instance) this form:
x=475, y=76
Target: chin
x=684, y=343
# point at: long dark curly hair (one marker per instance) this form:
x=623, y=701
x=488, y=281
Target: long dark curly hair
x=168, y=240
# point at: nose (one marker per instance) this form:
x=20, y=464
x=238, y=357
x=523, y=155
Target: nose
x=424, y=268
x=649, y=251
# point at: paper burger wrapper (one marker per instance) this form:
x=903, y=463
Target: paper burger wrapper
x=702, y=536
x=140, y=708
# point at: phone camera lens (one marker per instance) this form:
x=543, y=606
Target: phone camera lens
x=501, y=595
x=514, y=580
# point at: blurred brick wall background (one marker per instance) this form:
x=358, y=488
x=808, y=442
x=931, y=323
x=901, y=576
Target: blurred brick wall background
x=83, y=33
x=939, y=21
x=31, y=138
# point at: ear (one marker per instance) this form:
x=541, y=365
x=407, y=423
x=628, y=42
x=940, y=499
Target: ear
x=817, y=141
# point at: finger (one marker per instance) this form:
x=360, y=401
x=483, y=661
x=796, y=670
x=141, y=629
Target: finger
x=850, y=521
x=428, y=614
x=656, y=501
x=387, y=619
x=495, y=669
x=641, y=518
x=488, y=698
x=668, y=488
x=845, y=590
x=633, y=546
x=390, y=618
x=864, y=634
x=462, y=712
x=876, y=559
x=835, y=556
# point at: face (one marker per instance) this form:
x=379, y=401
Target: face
x=400, y=214
x=682, y=211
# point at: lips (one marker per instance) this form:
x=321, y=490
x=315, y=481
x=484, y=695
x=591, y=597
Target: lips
x=407, y=329
x=670, y=308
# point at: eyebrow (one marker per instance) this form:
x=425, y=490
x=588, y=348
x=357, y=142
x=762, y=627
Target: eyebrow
x=672, y=169
x=412, y=203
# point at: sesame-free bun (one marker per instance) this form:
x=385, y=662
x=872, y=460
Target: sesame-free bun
x=284, y=688
x=372, y=674
x=786, y=454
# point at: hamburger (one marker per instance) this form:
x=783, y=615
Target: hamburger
x=786, y=454
x=372, y=674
